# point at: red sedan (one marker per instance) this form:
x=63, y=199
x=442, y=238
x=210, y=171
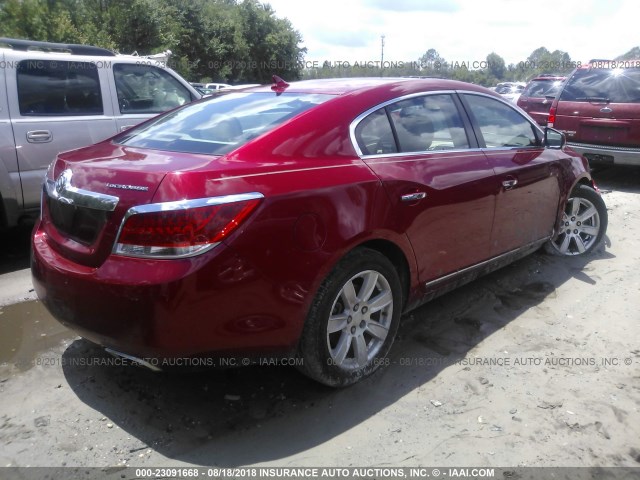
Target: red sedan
x=301, y=219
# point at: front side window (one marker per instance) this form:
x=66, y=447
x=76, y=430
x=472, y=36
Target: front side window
x=221, y=124
x=48, y=87
x=417, y=124
x=147, y=89
x=603, y=85
x=501, y=125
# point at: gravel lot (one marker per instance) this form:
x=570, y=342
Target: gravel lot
x=537, y=364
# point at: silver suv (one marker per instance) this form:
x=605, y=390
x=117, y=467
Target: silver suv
x=56, y=97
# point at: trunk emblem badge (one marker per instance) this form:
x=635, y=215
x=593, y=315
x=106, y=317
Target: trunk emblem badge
x=138, y=188
x=63, y=181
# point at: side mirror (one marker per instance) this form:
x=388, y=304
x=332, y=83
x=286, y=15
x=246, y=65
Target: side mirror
x=554, y=138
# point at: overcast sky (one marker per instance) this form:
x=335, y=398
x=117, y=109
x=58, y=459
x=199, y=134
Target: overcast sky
x=462, y=30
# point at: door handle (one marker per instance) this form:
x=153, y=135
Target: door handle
x=413, y=197
x=39, y=136
x=126, y=127
x=510, y=183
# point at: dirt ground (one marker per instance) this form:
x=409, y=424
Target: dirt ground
x=537, y=364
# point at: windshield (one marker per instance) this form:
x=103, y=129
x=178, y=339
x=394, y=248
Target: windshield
x=221, y=124
x=603, y=85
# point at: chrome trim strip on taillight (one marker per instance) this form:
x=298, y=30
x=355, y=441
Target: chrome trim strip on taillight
x=179, y=252
x=62, y=191
x=188, y=204
x=182, y=205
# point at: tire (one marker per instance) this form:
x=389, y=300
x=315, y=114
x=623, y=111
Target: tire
x=584, y=224
x=353, y=320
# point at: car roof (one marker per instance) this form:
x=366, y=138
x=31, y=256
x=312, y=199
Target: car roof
x=342, y=86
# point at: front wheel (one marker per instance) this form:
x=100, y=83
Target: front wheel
x=584, y=224
x=353, y=320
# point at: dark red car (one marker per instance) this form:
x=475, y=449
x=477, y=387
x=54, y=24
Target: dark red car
x=538, y=95
x=598, y=109
x=301, y=219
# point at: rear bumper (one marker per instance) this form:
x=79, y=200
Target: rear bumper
x=215, y=304
x=607, y=154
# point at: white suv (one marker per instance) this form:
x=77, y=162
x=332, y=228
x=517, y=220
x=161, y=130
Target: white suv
x=56, y=97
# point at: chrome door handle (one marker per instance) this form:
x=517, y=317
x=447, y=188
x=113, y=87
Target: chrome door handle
x=39, y=136
x=126, y=127
x=509, y=184
x=413, y=197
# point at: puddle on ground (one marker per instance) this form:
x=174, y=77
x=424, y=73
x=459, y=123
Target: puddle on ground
x=26, y=330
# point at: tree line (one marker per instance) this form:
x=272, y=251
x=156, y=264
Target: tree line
x=210, y=40
x=239, y=41
x=487, y=71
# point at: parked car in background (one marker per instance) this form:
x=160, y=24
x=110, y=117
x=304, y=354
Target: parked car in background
x=301, y=219
x=205, y=92
x=240, y=86
x=216, y=86
x=598, y=109
x=510, y=90
x=232, y=88
x=538, y=95
x=56, y=97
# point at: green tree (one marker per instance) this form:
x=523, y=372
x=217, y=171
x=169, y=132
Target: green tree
x=430, y=57
x=271, y=44
x=496, y=66
x=542, y=60
x=223, y=40
x=143, y=26
x=24, y=19
x=633, y=54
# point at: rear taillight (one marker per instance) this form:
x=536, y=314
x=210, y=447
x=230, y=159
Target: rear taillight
x=552, y=117
x=182, y=229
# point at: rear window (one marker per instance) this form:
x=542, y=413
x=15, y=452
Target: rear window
x=542, y=88
x=222, y=124
x=603, y=85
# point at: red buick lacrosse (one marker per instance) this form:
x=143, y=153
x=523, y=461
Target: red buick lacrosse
x=301, y=219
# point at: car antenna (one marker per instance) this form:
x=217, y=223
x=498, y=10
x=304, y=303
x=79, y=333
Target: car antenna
x=279, y=85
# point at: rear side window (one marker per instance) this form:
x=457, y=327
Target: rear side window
x=420, y=124
x=374, y=134
x=48, y=87
x=147, y=89
x=221, y=124
x=500, y=125
x=603, y=85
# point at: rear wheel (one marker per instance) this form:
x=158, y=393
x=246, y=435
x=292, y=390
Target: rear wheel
x=584, y=224
x=353, y=320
